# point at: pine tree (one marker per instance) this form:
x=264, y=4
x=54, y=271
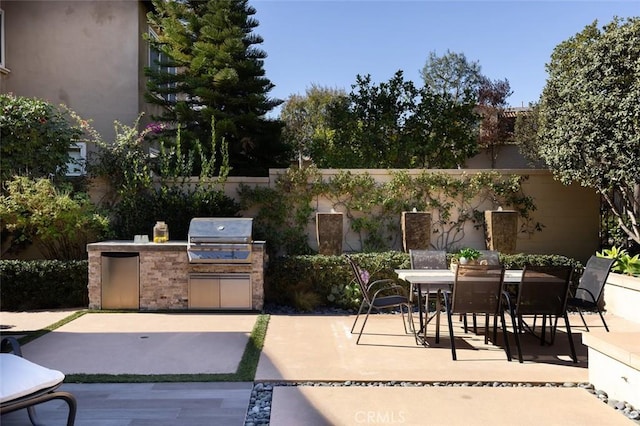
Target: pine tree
x=209, y=65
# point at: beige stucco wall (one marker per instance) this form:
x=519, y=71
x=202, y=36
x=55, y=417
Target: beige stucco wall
x=569, y=215
x=86, y=54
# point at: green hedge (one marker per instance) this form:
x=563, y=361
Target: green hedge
x=310, y=282
x=303, y=282
x=43, y=284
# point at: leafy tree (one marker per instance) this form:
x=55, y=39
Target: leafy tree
x=396, y=125
x=306, y=119
x=492, y=101
x=589, y=128
x=210, y=67
x=452, y=75
x=526, y=134
x=370, y=124
x=35, y=137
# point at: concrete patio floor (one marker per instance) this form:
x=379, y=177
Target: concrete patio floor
x=302, y=349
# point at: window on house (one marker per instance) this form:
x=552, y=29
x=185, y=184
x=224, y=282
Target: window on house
x=156, y=61
x=2, y=39
x=77, y=159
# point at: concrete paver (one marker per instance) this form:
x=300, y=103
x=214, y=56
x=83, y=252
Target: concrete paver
x=445, y=406
x=317, y=348
x=145, y=343
x=31, y=320
x=308, y=348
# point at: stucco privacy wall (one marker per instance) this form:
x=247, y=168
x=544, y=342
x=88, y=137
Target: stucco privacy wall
x=88, y=55
x=570, y=214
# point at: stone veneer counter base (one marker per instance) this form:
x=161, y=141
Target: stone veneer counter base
x=164, y=270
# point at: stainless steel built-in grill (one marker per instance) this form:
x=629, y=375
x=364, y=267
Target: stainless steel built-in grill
x=220, y=240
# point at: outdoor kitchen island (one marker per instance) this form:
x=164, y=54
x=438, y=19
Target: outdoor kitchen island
x=160, y=277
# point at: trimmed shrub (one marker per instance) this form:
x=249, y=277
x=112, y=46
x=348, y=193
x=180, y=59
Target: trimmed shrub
x=43, y=284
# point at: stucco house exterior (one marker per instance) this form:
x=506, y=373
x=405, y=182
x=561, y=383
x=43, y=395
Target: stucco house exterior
x=87, y=54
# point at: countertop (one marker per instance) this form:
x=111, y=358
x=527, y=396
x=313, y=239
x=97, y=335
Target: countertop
x=131, y=246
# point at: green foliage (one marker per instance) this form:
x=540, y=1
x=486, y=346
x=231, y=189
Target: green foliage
x=137, y=214
x=588, y=125
x=124, y=163
x=211, y=67
x=58, y=221
x=468, y=253
x=451, y=75
x=35, y=137
x=625, y=263
x=137, y=202
x=306, y=120
x=395, y=125
x=374, y=209
x=331, y=279
x=525, y=134
x=284, y=210
x=43, y=284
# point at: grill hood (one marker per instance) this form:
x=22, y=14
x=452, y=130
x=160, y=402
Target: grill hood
x=220, y=240
x=220, y=230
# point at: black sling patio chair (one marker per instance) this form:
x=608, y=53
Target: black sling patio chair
x=590, y=288
x=26, y=384
x=477, y=289
x=378, y=295
x=427, y=259
x=543, y=291
x=487, y=257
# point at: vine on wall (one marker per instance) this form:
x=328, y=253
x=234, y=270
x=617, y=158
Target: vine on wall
x=373, y=209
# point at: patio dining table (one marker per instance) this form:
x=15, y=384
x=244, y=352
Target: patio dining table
x=426, y=281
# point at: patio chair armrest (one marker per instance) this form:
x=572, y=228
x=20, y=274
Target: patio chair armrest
x=13, y=343
x=401, y=289
x=383, y=281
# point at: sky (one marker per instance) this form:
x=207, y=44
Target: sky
x=329, y=42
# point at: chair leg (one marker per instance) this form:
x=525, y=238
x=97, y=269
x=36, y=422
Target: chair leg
x=507, y=348
x=543, y=335
x=574, y=357
x=602, y=318
x=582, y=318
x=412, y=326
x=33, y=416
x=404, y=323
x=363, y=324
x=450, y=320
x=516, y=333
x=486, y=329
x=357, y=316
x=553, y=330
x=439, y=294
x=495, y=328
x=66, y=397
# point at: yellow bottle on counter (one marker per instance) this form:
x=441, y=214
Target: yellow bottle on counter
x=160, y=232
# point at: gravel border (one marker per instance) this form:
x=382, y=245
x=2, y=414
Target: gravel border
x=259, y=410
